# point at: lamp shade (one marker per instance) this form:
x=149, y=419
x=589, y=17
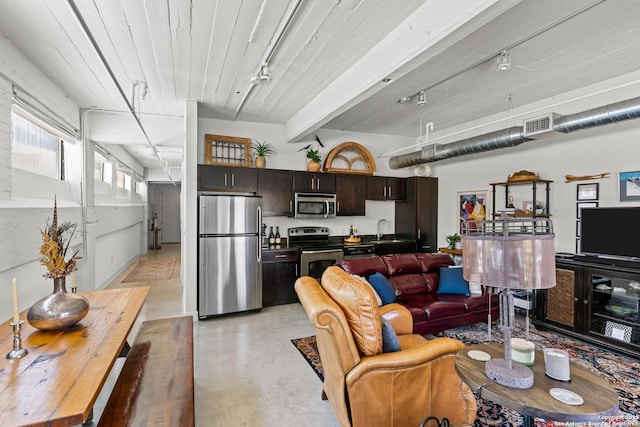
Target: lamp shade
x=501, y=254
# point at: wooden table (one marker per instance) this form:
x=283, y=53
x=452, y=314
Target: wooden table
x=600, y=398
x=58, y=382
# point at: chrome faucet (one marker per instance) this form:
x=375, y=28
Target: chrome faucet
x=382, y=221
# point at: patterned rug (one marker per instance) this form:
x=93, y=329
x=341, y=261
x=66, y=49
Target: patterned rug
x=621, y=371
x=152, y=270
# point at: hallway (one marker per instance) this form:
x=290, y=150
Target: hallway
x=247, y=372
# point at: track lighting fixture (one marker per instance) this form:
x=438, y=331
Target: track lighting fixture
x=422, y=100
x=265, y=74
x=504, y=61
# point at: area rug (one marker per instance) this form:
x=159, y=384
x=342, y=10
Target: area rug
x=152, y=270
x=621, y=371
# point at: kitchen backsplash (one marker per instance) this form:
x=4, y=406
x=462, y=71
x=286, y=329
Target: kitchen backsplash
x=376, y=210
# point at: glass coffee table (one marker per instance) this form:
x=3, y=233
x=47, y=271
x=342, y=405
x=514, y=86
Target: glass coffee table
x=599, y=397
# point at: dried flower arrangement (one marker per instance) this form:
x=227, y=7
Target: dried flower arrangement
x=55, y=243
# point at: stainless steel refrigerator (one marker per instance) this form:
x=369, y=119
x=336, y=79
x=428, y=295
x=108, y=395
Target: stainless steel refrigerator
x=229, y=254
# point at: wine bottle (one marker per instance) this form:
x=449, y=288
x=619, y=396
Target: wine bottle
x=278, y=238
x=351, y=230
x=272, y=237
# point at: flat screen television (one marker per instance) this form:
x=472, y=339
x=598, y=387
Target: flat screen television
x=612, y=233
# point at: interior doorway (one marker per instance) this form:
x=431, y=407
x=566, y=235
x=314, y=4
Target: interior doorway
x=164, y=201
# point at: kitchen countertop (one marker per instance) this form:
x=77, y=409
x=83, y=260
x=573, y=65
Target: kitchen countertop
x=339, y=240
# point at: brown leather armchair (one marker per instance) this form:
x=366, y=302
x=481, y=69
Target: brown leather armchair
x=367, y=387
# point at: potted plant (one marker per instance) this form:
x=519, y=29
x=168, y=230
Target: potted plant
x=262, y=150
x=315, y=160
x=453, y=240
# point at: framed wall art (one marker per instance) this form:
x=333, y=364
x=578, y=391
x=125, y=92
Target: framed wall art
x=587, y=191
x=227, y=150
x=472, y=206
x=584, y=205
x=629, y=185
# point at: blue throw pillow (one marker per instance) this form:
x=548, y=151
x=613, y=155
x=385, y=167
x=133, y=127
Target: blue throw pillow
x=390, y=341
x=452, y=282
x=383, y=288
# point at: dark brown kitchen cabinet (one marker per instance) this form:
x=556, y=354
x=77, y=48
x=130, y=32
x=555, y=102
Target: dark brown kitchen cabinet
x=227, y=178
x=314, y=182
x=417, y=214
x=385, y=188
x=280, y=270
x=350, y=194
x=276, y=188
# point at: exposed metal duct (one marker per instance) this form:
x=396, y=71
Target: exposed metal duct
x=489, y=141
x=612, y=113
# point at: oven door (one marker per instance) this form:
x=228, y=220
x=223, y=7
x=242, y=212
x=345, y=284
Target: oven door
x=313, y=262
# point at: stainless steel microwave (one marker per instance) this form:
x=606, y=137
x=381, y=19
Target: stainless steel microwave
x=314, y=206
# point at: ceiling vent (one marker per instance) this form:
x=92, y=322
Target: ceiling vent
x=540, y=126
x=429, y=150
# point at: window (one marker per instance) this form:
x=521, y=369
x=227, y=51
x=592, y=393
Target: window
x=140, y=188
x=101, y=168
x=123, y=180
x=35, y=149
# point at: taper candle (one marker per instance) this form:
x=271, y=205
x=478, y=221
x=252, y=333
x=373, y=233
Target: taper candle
x=16, y=313
x=73, y=279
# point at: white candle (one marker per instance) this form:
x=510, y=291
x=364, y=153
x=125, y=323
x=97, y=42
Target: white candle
x=16, y=313
x=73, y=279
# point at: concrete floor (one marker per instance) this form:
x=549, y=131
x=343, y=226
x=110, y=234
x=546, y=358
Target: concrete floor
x=247, y=372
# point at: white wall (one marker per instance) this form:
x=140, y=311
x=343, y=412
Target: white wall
x=116, y=249
x=114, y=229
x=611, y=148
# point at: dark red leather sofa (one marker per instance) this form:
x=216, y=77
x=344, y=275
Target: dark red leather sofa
x=415, y=280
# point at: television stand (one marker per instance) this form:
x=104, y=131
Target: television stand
x=613, y=262
x=595, y=300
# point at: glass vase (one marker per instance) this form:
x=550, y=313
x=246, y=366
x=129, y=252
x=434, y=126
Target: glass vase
x=59, y=310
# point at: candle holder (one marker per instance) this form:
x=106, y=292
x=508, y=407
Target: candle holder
x=18, y=352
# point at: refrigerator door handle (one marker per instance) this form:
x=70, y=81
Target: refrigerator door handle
x=259, y=210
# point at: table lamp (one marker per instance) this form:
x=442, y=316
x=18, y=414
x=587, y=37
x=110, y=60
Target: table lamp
x=509, y=253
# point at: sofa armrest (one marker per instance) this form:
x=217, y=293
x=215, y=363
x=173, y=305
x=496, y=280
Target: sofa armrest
x=378, y=385
x=399, y=317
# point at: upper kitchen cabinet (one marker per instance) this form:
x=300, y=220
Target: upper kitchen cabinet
x=314, y=182
x=227, y=178
x=385, y=188
x=417, y=215
x=350, y=194
x=276, y=188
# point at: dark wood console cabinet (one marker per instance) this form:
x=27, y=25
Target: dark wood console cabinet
x=593, y=302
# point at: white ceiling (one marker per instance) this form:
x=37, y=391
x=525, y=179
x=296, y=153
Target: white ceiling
x=327, y=66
